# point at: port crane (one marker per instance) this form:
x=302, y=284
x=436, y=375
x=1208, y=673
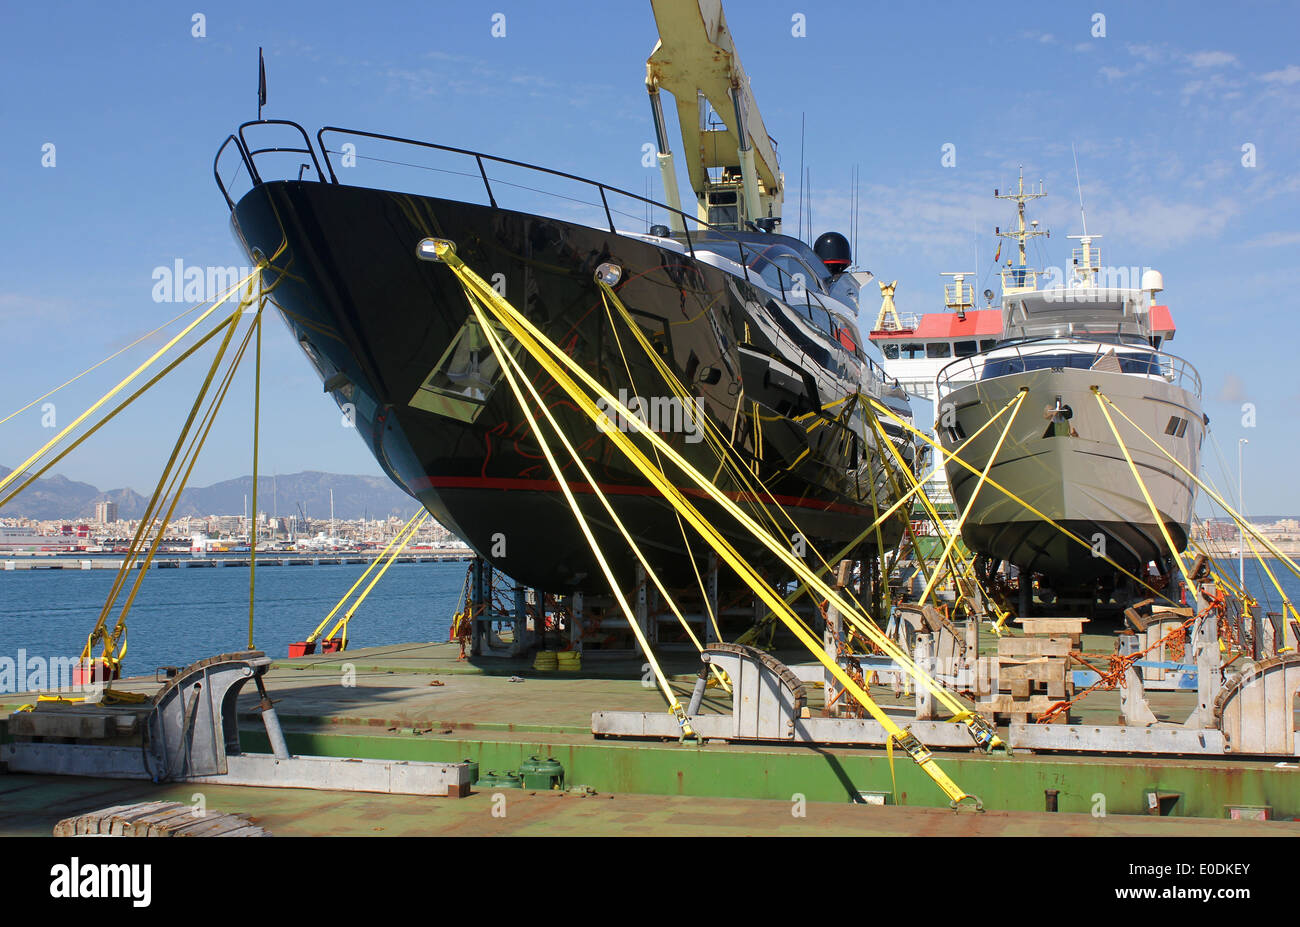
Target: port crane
x=733, y=167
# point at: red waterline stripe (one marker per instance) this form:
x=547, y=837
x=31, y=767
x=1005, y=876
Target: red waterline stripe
x=514, y=483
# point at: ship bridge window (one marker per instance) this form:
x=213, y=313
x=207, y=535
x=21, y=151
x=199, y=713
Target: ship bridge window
x=1143, y=364
x=890, y=350
x=912, y=350
x=963, y=348
x=938, y=349
x=988, y=344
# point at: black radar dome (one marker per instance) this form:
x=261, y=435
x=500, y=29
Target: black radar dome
x=833, y=249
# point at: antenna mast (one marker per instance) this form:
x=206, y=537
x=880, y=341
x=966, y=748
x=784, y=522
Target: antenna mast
x=1020, y=277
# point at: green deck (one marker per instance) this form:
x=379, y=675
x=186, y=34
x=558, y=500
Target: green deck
x=395, y=711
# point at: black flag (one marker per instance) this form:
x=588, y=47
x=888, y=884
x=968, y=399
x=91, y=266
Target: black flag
x=261, y=82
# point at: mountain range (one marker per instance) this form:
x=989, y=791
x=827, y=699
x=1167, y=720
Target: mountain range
x=57, y=497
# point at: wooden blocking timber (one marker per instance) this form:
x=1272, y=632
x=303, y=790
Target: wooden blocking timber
x=1031, y=668
x=1045, y=676
x=1071, y=628
x=1006, y=708
x=1137, y=615
x=1020, y=647
x=158, y=819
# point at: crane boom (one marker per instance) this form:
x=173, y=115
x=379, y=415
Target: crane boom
x=733, y=169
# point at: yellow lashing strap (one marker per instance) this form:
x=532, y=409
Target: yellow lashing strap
x=555, y=362
x=1155, y=513
x=970, y=504
x=1241, y=522
x=94, y=367
x=411, y=528
x=315, y=635
x=513, y=375
x=111, y=655
x=954, y=458
x=68, y=429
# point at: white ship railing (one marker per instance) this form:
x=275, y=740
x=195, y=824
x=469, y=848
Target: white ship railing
x=1012, y=358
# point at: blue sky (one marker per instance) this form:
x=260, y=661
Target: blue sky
x=1158, y=109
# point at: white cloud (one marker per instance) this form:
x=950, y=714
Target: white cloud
x=1288, y=75
x=1275, y=240
x=1148, y=53
x=1233, y=389
x=1211, y=59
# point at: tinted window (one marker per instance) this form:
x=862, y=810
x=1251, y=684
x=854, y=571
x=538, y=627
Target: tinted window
x=988, y=344
x=891, y=351
x=938, y=349
x=1128, y=363
x=964, y=348
x=912, y=350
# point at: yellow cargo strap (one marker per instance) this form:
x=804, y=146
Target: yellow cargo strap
x=174, y=489
x=718, y=676
x=1151, y=505
x=147, y=519
x=917, y=488
x=514, y=374
x=315, y=635
x=744, y=476
x=117, y=353
x=555, y=361
x=970, y=504
x=1241, y=522
x=172, y=365
x=257, y=420
x=68, y=429
x=954, y=458
x=951, y=559
x=411, y=529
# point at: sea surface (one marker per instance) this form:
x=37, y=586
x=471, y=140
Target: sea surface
x=181, y=616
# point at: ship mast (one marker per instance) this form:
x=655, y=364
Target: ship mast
x=1020, y=277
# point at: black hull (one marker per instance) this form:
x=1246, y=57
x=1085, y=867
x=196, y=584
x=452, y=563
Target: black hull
x=376, y=322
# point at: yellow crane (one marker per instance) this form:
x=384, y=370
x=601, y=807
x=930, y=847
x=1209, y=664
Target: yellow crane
x=733, y=169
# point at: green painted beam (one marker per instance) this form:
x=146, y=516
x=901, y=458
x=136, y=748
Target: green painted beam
x=1016, y=783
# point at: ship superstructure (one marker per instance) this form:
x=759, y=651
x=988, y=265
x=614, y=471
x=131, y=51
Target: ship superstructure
x=1071, y=348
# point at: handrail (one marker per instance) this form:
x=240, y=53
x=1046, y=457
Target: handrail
x=1169, y=367
x=750, y=253
x=252, y=154
x=216, y=161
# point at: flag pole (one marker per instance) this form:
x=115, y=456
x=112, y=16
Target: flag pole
x=261, y=83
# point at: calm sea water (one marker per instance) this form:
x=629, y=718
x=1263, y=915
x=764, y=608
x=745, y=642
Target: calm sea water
x=1261, y=587
x=181, y=616
x=184, y=615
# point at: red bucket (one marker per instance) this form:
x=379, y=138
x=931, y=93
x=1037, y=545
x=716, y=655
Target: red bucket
x=302, y=648
x=331, y=645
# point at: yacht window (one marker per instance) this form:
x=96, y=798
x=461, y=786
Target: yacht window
x=912, y=350
x=963, y=348
x=821, y=318
x=938, y=349
x=890, y=351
